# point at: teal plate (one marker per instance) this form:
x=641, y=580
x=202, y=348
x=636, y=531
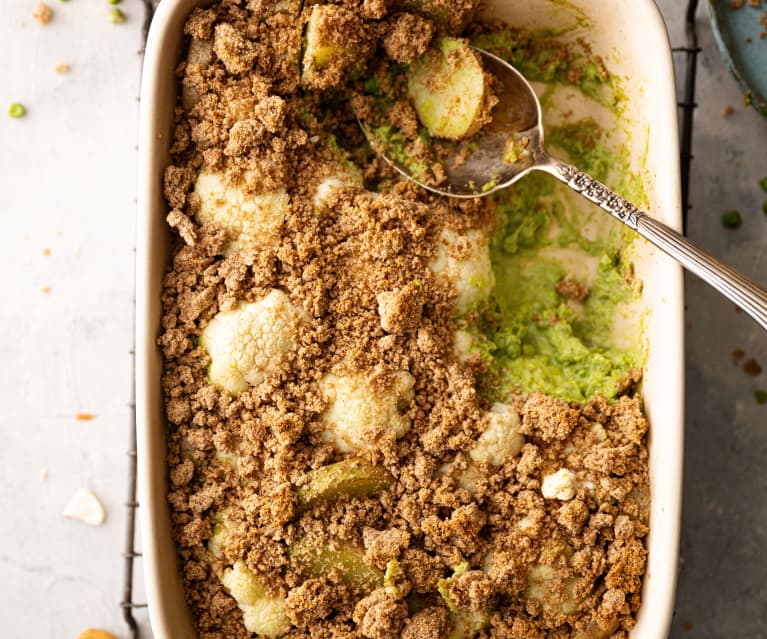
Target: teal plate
x=747, y=59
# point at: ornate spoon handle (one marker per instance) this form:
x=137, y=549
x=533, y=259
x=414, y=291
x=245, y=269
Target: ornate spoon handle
x=735, y=286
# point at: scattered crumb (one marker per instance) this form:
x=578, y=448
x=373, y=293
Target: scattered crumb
x=46, y=252
x=731, y=220
x=752, y=367
x=43, y=13
x=62, y=67
x=85, y=417
x=43, y=474
x=95, y=633
x=728, y=110
x=85, y=507
x=46, y=289
x=737, y=355
x=736, y=4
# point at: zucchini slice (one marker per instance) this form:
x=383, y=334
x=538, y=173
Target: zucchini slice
x=354, y=477
x=346, y=560
x=450, y=90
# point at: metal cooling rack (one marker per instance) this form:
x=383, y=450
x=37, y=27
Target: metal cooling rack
x=689, y=54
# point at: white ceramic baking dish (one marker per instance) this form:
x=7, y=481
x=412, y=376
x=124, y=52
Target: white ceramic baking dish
x=631, y=36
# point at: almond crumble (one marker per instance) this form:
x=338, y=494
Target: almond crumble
x=334, y=471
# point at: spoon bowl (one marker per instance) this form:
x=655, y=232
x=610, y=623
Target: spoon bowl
x=512, y=145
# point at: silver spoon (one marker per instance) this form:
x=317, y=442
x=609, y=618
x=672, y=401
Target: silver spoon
x=517, y=122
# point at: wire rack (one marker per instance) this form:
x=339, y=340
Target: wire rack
x=689, y=58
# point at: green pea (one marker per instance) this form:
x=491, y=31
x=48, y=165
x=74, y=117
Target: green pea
x=17, y=110
x=116, y=16
x=731, y=220
x=763, y=184
x=115, y=1
x=761, y=397
x=764, y=207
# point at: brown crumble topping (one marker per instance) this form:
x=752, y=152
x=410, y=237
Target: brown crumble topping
x=408, y=35
x=572, y=290
x=358, y=270
x=752, y=368
x=43, y=13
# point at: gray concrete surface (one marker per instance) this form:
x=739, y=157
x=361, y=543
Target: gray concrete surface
x=722, y=591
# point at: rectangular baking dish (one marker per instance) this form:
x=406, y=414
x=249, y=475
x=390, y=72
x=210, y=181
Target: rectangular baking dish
x=631, y=37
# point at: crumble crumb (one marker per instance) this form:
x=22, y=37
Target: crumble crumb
x=407, y=37
x=43, y=13
x=572, y=289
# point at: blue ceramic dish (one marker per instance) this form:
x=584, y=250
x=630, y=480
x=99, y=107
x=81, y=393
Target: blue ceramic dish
x=736, y=32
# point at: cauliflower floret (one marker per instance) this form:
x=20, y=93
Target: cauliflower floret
x=362, y=407
x=251, y=221
x=501, y=438
x=464, y=346
x=559, y=485
x=464, y=260
x=325, y=190
x=249, y=342
x=330, y=184
x=262, y=614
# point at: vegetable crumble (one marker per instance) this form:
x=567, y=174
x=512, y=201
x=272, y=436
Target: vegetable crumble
x=369, y=436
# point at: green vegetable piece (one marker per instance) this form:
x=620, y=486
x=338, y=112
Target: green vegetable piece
x=761, y=397
x=543, y=580
x=594, y=631
x=319, y=50
x=116, y=16
x=449, y=89
x=731, y=220
x=346, y=560
x=17, y=110
x=763, y=184
x=764, y=207
x=330, y=49
x=442, y=585
x=354, y=477
x=220, y=538
x=393, y=579
x=115, y=1
x=465, y=624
